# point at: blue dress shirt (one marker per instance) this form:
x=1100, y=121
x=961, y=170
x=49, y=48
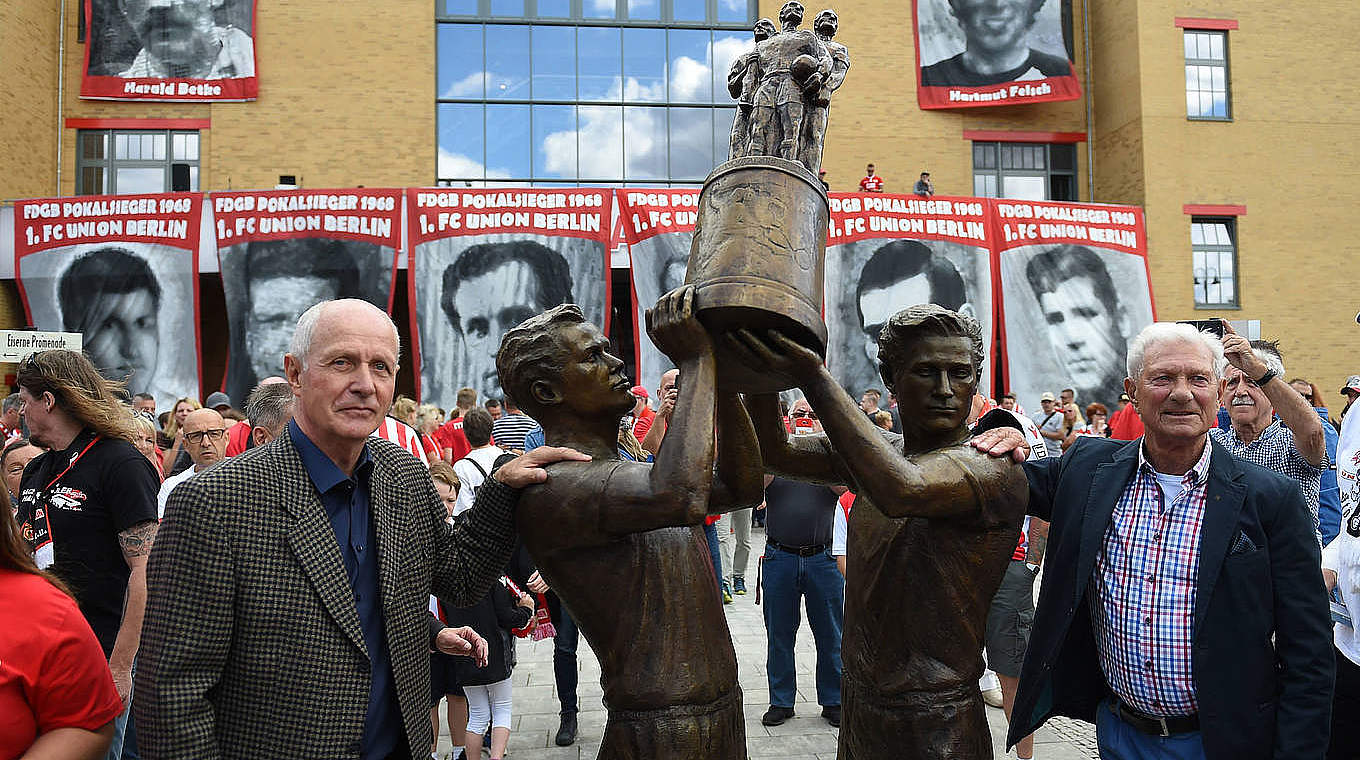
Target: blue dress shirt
x=345, y=500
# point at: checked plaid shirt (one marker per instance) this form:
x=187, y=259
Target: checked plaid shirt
x=1142, y=591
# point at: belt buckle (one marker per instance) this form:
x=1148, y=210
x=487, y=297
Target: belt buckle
x=1162, y=722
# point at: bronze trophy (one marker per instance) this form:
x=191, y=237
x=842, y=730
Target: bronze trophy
x=760, y=240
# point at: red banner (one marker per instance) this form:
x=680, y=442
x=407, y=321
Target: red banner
x=659, y=226
x=282, y=251
x=185, y=52
x=123, y=271
x=1077, y=290
x=993, y=54
x=483, y=260
x=887, y=252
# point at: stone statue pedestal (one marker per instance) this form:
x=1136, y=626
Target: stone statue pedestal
x=757, y=259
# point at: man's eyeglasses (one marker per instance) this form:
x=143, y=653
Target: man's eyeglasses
x=802, y=414
x=197, y=437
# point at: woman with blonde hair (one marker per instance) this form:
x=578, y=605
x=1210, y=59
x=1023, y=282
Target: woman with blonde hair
x=146, y=440
x=176, y=458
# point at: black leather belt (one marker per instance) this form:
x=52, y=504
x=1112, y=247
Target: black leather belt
x=1153, y=725
x=802, y=551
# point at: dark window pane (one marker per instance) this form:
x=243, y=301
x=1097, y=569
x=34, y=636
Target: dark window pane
x=554, y=8
x=644, y=65
x=691, y=144
x=644, y=9
x=555, y=141
x=507, y=67
x=598, y=8
x=93, y=181
x=507, y=141
x=514, y=8
x=94, y=145
x=735, y=11
x=689, y=10
x=554, y=66
x=1063, y=157
x=460, y=61
x=1062, y=187
x=644, y=142
x=600, y=63
x=691, y=79
x=462, y=141
x=601, y=142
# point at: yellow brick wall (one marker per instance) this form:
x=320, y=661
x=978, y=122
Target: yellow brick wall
x=1287, y=156
x=28, y=124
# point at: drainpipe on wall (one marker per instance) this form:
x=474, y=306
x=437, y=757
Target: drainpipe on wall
x=1090, y=104
x=61, y=87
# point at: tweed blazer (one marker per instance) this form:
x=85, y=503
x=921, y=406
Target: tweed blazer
x=251, y=646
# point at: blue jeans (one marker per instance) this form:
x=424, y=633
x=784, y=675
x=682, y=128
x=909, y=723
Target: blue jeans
x=785, y=577
x=714, y=552
x=119, y=729
x=564, y=653
x=1120, y=741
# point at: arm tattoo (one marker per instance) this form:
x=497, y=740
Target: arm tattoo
x=137, y=540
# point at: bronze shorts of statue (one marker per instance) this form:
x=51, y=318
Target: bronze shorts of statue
x=621, y=542
x=930, y=536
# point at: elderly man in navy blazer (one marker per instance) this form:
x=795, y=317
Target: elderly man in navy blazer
x=1182, y=609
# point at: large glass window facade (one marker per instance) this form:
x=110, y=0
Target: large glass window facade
x=566, y=92
x=123, y=162
x=1027, y=171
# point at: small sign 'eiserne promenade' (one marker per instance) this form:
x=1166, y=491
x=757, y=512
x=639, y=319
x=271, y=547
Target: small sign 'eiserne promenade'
x=16, y=344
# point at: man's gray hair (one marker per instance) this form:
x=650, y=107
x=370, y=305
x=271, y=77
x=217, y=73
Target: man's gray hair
x=270, y=406
x=11, y=402
x=301, y=345
x=1174, y=332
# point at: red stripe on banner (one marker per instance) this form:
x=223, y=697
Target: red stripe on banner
x=411, y=293
x=1002, y=135
x=1206, y=23
x=73, y=123
x=1209, y=209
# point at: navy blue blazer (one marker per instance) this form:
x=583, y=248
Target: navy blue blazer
x=1262, y=637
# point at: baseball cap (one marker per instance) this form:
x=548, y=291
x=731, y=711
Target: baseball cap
x=1124, y=397
x=217, y=399
x=1047, y=397
x=639, y=391
x=1352, y=384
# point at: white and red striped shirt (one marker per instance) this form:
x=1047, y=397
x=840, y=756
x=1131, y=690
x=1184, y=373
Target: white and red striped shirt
x=405, y=436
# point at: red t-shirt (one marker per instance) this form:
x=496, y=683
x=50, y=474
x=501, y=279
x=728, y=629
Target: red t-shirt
x=644, y=423
x=52, y=671
x=1125, y=424
x=450, y=435
x=431, y=448
x=872, y=184
x=238, y=438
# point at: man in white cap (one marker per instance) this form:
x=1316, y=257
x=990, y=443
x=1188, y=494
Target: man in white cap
x=1050, y=421
x=1351, y=390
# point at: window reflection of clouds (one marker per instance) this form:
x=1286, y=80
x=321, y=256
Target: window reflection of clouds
x=688, y=10
x=460, y=62
x=644, y=9
x=507, y=68
x=644, y=65
x=644, y=142
x=601, y=141
x=691, y=80
x=554, y=62
x=599, y=63
x=734, y=10
x=554, y=8
x=691, y=141
x=507, y=138
x=555, y=158
x=598, y=8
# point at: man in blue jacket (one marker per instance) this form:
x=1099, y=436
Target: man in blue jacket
x=1183, y=610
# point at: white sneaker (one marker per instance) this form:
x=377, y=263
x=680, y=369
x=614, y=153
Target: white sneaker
x=992, y=697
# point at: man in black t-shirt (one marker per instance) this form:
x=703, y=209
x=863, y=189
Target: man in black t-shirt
x=798, y=564
x=88, y=505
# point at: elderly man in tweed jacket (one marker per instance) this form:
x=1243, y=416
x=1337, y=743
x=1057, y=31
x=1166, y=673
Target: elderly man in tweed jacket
x=288, y=586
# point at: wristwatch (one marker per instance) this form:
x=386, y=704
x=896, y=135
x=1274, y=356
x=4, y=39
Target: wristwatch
x=1267, y=377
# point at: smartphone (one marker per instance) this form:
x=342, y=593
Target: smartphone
x=1214, y=326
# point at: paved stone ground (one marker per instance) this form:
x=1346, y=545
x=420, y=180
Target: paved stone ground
x=807, y=735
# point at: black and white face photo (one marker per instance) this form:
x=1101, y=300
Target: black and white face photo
x=868, y=281
x=175, y=39
x=471, y=290
x=269, y=284
x=659, y=265
x=978, y=43
x=133, y=304
x=1070, y=313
